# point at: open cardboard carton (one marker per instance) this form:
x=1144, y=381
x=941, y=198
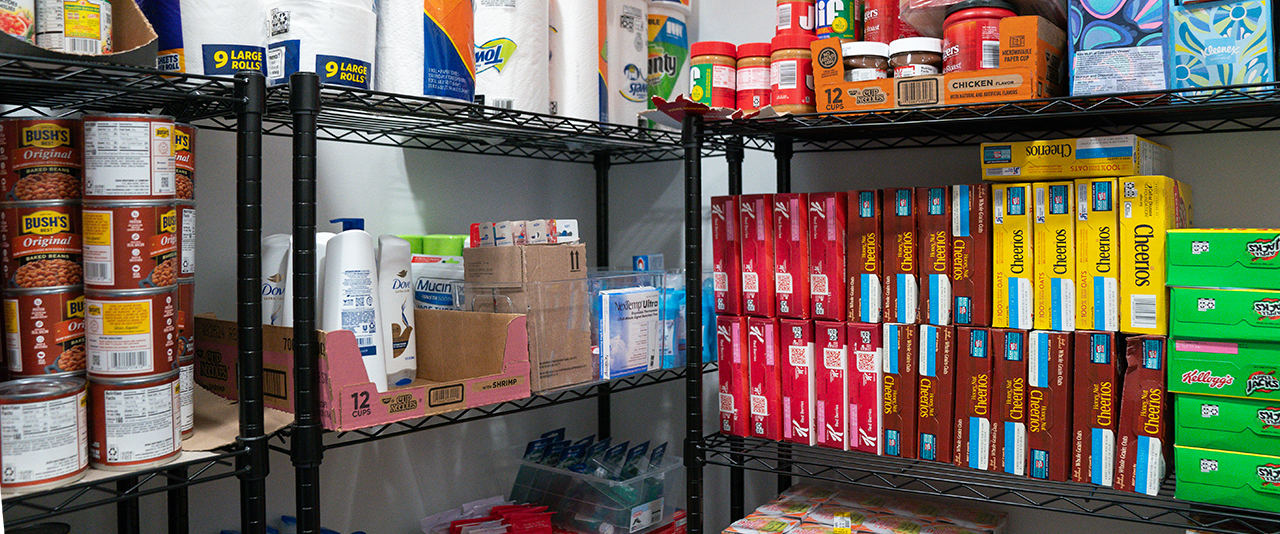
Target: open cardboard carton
x=133, y=39
x=465, y=360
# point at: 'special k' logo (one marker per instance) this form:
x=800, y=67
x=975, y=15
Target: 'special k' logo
x=1267, y=309
x=1261, y=382
x=1264, y=249
x=494, y=54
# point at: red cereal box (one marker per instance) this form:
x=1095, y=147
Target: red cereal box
x=1095, y=407
x=899, y=395
x=901, y=255
x=832, y=350
x=1143, y=446
x=756, y=222
x=766, y=378
x=863, y=250
x=791, y=244
x=798, y=394
x=1009, y=392
x=933, y=220
x=734, y=370
x=937, y=392
x=866, y=377
x=973, y=398
x=1049, y=406
x=971, y=254
x=827, y=226
x=726, y=250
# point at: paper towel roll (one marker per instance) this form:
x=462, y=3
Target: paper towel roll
x=575, y=51
x=628, y=54
x=512, y=68
x=668, y=49
x=221, y=37
x=333, y=38
x=417, y=37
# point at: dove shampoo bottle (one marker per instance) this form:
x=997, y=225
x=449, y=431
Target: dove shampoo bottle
x=395, y=295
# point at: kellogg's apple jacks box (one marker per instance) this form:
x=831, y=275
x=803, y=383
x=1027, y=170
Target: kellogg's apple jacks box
x=863, y=251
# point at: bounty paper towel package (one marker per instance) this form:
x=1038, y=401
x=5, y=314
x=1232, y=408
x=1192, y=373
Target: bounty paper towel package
x=511, y=54
x=668, y=49
x=425, y=48
x=334, y=39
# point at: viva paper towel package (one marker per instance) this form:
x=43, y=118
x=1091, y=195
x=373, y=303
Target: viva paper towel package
x=210, y=37
x=511, y=54
x=574, y=59
x=332, y=38
x=627, y=54
x=425, y=47
x=668, y=49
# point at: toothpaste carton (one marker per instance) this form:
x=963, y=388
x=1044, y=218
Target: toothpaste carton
x=726, y=250
x=1009, y=393
x=973, y=398
x=486, y=234
x=866, y=378
x=971, y=254
x=1049, y=388
x=1097, y=397
x=1226, y=314
x=828, y=223
x=831, y=346
x=1085, y=157
x=791, y=246
x=937, y=393
x=798, y=392
x=756, y=222
x=1054, y=246
x=1227, y=478
x=899, y=395
x=1149, y=207
x=1013, y=263
x=1143, y=446
x=766, y=378
x=505, y=233
x=1097, y=255
x=734, y=375
x=1244, y=369
x=1240, y=258
x=933, y=221
x=1226, y=423
x=863, y=251
x=901, y=264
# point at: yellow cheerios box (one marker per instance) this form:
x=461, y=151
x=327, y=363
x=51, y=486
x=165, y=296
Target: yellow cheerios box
x=1150, y=206
x=1067, y=159
x=1097, y=255
x=1054, y=247
x=1013, y=265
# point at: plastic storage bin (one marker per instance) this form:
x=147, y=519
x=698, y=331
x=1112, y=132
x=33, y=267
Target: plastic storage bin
x=591, y=505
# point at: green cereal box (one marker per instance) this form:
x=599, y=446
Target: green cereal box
x=1227, y=423
x=1237, y=257
x=1225, y=314
x=1243, y=369
x=1228, y=478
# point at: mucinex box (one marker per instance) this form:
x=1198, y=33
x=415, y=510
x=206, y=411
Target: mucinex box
x=766, y=378
x=827, y=227
x=1243, y=369
x=798, y=393
x=1009, y=373
x=1067, y=159
x=866, y=377
x=734, y=375
x=726, y=250
x=936, y=408
x=1054, y=247
x=971, y=254
x=1240, y=258
x=1013, y=264
x=863, y=250
x=899, y=396
x=933, y=220
x=832, y=352
x=1096, y=407
x=973, y=398
x=1149, y=207
x=1049, y=388
x=758, y=286
x=901, y=257
x=791, y=258
x=1227, y=423
x=1097, y=255
x=1143, y=446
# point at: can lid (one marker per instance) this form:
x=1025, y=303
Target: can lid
x=787, y=42
x=157, y=378
x=186, y=125
x=39, y=386
x=17, y=291
x=865, y=48
x=68, y=202
x=915, y=44
x=754, y=50
x=89, y=204
x=970, y=4
x=41, y=119
x=96, y=116
x=91, y=292
x=713, y=48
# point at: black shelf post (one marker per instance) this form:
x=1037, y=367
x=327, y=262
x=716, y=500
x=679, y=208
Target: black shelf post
x=604, y=410
x=782, y=151
x=178, y=499
x=734, y=155
x=737, y=481
x=692, y=141
x=127, y=510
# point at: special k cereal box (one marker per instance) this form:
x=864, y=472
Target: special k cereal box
x=791, y=246
x=973, y=398
x=1097, y=255
x=756, y=222
x=901, y=257
x=726, y=252
x=766, y=378
x=731, y=333
x=899, y=395
x=1013, y=264
x=1096, y=406
x=827, y=227
x=863, y=251
x=798, y=394
x=1054, y=246
x=937, y=392
x=1009, y=371
x=1143, y=446
x=971, y=254
x=933, y=220
x=1150, y=206
x=831, y=348
x=1049, y=386
x=866, y=377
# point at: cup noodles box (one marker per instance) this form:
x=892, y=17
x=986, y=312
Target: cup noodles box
x=758, y=288
x=971, y=254
x=1226, y=423
x=1009, y=406
x=937, y=384
x=864, y=246
x=791, y=247
x=1013, y=265
x=1068, y=159
x=726, y=250
x=1149, y=207
x=734, y=375
x=1228, y=478
x=899, y=393
x=827, y=226
x=1097, y=255
x=1054, y=246
x=1243, y=369
x=1031, y=41
x=798, y=393
x=831, y=347
x=933, y=222
x=1049, y=385
x=901, y=267
x=1094, y=410
x=973, y=398
x=866, y=378
x=1143, y=446
x=1225, y=314
x=766, y=378
x=1242, y=258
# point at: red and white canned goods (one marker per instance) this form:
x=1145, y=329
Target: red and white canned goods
x=184, y=159
x=19, y=19
x=130, y=244
x=131, y=333
x=128, y=157
x=134, y=422
x=42, y=244
x=43, y=433
x=186, y=210
x=75, y=26
x=186, y=318
x=42, y=159
x=44, y=331
x=187, y=396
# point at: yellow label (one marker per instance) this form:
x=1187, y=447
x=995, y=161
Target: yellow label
x=1150, y=206
x=45, y=136
x=1054, y=245
x=10, y=316
x=1013, y=264
x=1085, y=157
x=75, y=307
x=1097, y=255
x=169, y=222
x=181, y=141
x=840, y=25
x=96, y=227
x=122, y=318
x=46, y=222
x=83, y=19
x=162, y=132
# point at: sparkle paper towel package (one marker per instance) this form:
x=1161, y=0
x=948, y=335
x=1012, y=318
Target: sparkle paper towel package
x=574, y=43
x=334, y=39
x=424, y=47
x=627, y=51
x=512, y=54
x=210, y=37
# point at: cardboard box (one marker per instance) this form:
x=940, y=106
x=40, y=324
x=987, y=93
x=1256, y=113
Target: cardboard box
x=1049, y=390
x=466, y=359
x=899, y=401
x=866, y=378
x=971, y=254
x=1068, y=159
x=933, y=220
x=1131, y=63
x=1246, y=369
x=791, y=245
x=798, y=392
x=937, y=384
x=1226, y=423
x=901, y=257
x=766, y=378
x=1096, y=405
x=863, y=250
x=1248, y=259
x=828, y=222
x=1097, y=255
x=831, y=345
x=1143, y=445
x=956, y=88
x=735, y=379
x=973, y=403
x=726, y=250
x=1009, y=393
x=133, y=41
x=1013, y=263
x=1054, y=246
x=1149, y=207
x=758, y=287
x=1234, y=479
x=1034, y=42
x=1225, y=314
x=514, y=265
x=1197, y=47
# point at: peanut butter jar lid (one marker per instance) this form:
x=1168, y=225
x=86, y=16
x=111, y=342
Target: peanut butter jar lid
x=788, y=42
x=754, y=50
x=713, y=48
x=865, y=48
x=915, y=44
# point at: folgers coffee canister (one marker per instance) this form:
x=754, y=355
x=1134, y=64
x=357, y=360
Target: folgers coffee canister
x=43, y=432
x=130, y=244
x=131, y=333
x=128, y=157
x=971, y=35
x=184, y=160
x=42, y=159
x=136, y=422
x=44, y=331
x=42, y=246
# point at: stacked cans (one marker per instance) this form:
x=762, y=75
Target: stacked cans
x=184, y=145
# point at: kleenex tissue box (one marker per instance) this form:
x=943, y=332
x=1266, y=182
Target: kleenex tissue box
x=1220, y=43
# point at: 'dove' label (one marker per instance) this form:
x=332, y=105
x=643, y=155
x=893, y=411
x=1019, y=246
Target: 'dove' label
x=338, y=70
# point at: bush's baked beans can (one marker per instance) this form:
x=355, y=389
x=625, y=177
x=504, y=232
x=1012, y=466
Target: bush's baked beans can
x=128, y=157
x=130, y=244
x=187, y=396
x=135, y=422
x=186, y=318
x=43, y=433
x=186, y=210
x=184, y=159
x=44, y=331
x=42, y=159
x=42, y=244
x=131, y=333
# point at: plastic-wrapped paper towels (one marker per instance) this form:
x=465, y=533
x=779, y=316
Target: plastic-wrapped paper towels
x=211, y=37
x=628, y=56
x=425, y=47
x=333, y=38
x=575, y=58
x=512, y=67
x=668, y=49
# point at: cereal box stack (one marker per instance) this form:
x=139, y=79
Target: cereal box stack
x=805, y=509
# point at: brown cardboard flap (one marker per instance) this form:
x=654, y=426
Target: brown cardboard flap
x=133, y=37
x=456, y=345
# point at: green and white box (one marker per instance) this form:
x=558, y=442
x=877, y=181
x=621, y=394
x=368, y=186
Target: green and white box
x=1225, y=314
x=1242, y=258
x=1228, y=478
x=1246, y=369
x=1227, y=423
